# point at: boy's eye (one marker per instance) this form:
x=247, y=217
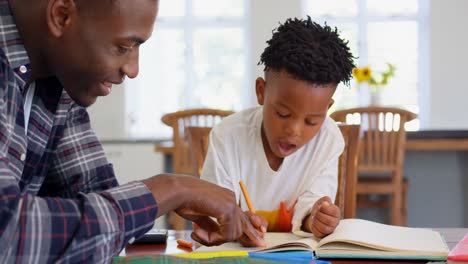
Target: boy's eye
x=282, y=115
x=310, y=123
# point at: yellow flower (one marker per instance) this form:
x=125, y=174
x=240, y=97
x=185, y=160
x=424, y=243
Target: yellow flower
x=357, y=74
x=362, y=74
x=365, y=74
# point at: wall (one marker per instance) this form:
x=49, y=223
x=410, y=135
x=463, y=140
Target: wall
x=108, y=114
x=265, y=16
x=133, y=161
x=436, y=177
x=448, y=56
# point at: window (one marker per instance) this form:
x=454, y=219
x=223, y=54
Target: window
x=197, y=57
x=381, y=31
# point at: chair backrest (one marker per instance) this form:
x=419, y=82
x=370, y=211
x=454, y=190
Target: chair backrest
x=347, y=171
x=179, y=121
x=199, y=138
x=384, y=136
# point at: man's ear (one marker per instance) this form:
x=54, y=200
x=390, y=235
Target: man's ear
x=331, y=103
x=260, y=90
x=60, y=14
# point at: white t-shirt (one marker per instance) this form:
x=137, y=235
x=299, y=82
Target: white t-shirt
x=236, y=152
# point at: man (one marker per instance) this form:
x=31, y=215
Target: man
x=59, y=199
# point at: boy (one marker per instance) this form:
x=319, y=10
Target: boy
x=286, y=150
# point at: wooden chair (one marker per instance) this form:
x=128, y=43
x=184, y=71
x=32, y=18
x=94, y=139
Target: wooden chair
x=179, y=121
x=199, y=138
x=381, y=155
x=347, y=171
x=181, y=158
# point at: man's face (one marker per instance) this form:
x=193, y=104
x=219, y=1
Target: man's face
x=100, y=46
x=293, y=111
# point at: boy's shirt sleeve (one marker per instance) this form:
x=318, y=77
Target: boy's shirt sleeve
x=216, y=166
x=325, y=184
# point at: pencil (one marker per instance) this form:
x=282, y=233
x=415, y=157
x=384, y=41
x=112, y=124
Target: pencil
x=246, y=196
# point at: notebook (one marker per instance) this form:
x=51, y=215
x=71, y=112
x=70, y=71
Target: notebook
x=356, y=238
x=459, y=254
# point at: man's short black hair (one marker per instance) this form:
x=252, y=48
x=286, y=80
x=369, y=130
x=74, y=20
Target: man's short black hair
x=309, y=52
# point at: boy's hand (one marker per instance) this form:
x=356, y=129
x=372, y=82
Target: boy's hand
x=260, y=224
x=323, y=218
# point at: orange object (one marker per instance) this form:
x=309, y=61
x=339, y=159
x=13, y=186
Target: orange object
x=184, y=243
x=285, y=217
x=246, y=196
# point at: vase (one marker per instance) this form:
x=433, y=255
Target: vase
x=375, y=99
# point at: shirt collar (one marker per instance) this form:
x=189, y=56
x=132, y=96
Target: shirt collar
x=11, y=43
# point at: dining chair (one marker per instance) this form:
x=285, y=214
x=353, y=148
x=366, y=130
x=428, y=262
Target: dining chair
x=198, y=138
x=381, y=156
x=347, y=171
x=181, y=157
x=179, y=121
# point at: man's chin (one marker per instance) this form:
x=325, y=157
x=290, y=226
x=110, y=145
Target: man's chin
x=84, y=101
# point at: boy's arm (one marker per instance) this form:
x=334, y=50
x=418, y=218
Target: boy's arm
x=325, y=184
x=217, y=163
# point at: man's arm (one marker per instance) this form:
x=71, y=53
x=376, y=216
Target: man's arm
x=72, y=224
x=200, y=201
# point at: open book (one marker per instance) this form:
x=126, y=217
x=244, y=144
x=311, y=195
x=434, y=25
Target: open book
x=356, y=238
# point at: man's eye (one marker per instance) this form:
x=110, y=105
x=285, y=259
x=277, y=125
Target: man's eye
x=282, y=115
x=124, y=50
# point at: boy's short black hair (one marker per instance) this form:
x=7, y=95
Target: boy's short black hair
x=309, y=52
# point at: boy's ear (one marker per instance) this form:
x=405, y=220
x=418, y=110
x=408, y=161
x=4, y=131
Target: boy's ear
x=260, y=90
x=60, y=14
x=331, y=103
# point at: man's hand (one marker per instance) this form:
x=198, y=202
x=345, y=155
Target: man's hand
x=198, y=200
x=260, y=224
x=323, y=219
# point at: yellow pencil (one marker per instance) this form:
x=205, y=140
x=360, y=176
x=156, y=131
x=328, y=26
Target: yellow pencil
x=246, y=196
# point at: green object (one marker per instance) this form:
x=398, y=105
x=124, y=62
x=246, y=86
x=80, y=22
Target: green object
x=164, y=259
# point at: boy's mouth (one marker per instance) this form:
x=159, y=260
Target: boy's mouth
x=286, y=148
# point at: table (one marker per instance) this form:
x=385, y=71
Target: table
x=451, y=236
x=437, y=140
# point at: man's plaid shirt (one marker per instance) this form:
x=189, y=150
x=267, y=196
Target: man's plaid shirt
x=59, y=198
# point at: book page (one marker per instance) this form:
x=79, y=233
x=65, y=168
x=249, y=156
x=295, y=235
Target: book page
x=386, y=237
x=274, y=241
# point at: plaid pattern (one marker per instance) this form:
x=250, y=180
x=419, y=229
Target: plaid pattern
x=59, y=198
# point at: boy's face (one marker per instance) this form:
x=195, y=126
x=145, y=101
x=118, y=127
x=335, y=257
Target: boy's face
x=293, y=111
x=99, y=46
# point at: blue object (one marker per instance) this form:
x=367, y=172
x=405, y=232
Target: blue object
x=299, y=257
